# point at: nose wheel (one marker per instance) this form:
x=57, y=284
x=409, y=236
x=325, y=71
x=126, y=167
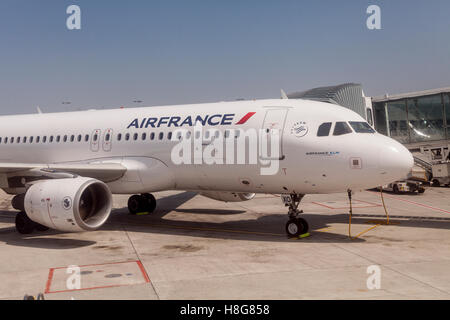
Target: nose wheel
x=296, y=226
x=141, y=203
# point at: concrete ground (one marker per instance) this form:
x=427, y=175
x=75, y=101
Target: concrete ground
x=196, y=248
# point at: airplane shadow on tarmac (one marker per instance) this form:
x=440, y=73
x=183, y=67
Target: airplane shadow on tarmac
x=264, y=228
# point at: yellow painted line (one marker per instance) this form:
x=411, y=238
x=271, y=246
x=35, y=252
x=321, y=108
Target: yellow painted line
x=326, y=229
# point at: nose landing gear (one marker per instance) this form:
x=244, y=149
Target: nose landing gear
x=296, y=226
x=141, y=203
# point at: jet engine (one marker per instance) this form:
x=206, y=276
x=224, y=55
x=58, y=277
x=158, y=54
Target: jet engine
x=228, y=196
x=70, y=205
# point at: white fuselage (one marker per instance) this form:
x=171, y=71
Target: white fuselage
x=308, y=163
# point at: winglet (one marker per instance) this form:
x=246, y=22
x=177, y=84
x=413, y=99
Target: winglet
x=38, y=110
x=284, y=95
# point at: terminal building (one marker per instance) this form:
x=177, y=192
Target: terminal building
x=419, y=120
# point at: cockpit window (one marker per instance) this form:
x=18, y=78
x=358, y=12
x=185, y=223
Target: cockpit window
x=324, y=129
x=341, y=128
x=361, y=127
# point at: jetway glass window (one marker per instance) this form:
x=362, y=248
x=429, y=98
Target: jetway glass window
x=398, y=121
x=380, y=118
x=447, y=112
x=426, y=118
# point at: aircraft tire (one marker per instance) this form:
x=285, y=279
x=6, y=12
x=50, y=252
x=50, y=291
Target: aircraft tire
x=296, y=227
x=149, y=202
x=24, y=225
x=135, y=204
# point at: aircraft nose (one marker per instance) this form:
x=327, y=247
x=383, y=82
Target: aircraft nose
x=395, y=161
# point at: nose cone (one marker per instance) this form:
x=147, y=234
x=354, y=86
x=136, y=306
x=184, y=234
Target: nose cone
x=395, y=162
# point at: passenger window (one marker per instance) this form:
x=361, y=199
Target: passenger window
x=38, y=139
x=72, y=138
x=152, y=136
x=161, y=136
x=44, y=139
x=79, y=138
x=188, y=135
x=24, y=140
x=31, y=139
x=127, y=136
x=169, y=136
x=107, y=137
x=65, y=139
x=95, y=137
x=119, y=137
x=86, y=138
x=18, y=140
x=207, y=135
x=135, y=137
x=361, y=127
x=0, y=139
x=51, y=139
x=58, y=139
x=144, y=136
x=12, y=139
x=341, y=128
x=324, y=129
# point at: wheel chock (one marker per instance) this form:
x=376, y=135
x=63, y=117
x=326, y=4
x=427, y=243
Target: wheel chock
x=302, y=236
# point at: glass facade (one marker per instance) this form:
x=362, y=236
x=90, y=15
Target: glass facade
x=417, y=119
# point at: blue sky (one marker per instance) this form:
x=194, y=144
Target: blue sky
x=193, y=51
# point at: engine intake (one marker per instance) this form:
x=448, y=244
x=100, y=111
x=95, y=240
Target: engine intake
x=69, y=205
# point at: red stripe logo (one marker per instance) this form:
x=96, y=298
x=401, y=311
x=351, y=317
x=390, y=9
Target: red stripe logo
x=246, y=117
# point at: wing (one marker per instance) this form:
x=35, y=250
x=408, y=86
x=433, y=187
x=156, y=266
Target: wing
x=15, y=175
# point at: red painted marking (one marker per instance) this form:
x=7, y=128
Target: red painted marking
x=52, y=270
x=144, y=273
x=49, y=280
x=319, y=204
x=246, y=117
x=418, y=204
x=355, y=202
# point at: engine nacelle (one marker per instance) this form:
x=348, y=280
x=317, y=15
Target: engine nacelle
x=228, y=196
x=69, y=205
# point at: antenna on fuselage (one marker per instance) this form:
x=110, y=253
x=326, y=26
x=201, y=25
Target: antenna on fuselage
x=284, y=95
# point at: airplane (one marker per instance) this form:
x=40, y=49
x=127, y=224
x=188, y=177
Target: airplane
x=63, y=168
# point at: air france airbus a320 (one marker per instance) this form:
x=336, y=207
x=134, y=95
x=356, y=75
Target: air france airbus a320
x=64, y=167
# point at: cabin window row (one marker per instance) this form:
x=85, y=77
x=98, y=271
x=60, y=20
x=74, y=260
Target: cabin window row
x=46, y=139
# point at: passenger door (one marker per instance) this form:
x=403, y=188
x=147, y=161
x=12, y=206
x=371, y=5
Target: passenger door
x=274, y=122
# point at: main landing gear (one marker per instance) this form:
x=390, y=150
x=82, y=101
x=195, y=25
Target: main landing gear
x=25, y=225
x=142, y=203
x=296, y=226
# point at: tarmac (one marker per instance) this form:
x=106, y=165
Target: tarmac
x=193, y=247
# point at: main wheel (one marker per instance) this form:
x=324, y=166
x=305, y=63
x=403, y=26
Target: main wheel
x=436, y=183
x=136, y=204
x=395, y=189
x=24, y=225
x=149, y=202
x=296, y=227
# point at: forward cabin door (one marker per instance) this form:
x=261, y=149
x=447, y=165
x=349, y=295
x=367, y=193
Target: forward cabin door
x=275, y=120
